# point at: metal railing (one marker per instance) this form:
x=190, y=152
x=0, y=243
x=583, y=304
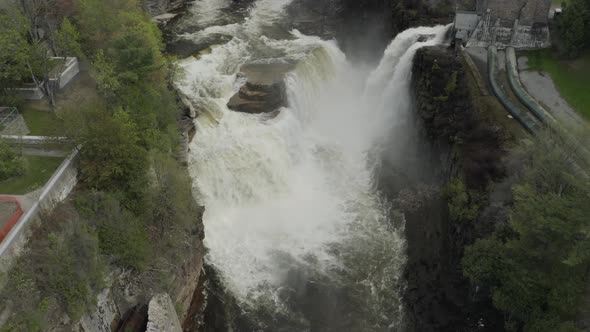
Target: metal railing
x=7, y=117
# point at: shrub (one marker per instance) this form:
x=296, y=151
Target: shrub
x=122, y=236
x=60, y=268
x=537, y=269
x=11, y=164
x=463, y=204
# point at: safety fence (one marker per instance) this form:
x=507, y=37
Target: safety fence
x=55, y=190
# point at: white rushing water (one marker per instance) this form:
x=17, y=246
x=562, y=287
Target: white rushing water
x=297, y=192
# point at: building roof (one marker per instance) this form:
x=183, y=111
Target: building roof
x=466, y=20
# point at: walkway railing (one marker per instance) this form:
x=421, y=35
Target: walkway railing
x=55, y=190
x=7, y=116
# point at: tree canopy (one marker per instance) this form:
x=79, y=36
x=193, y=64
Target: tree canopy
x=537, y=266
x=574, y=26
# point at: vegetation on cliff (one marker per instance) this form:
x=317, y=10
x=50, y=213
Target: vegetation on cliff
x=133, y=209
x=468, y=145
x=518, y=226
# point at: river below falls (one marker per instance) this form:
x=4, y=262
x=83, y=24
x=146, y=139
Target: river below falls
x=296, y=230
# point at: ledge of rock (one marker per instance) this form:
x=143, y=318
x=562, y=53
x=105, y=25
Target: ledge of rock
x=162, y=316
x=264, y=90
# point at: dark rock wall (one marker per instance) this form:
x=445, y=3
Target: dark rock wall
x=364, y=28
x=464, y=144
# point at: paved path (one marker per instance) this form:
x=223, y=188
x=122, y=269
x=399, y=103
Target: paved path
x=541, y=87
x=27, y=201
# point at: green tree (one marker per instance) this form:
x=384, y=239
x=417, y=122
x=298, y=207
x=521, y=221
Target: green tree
x=11, y=164
x=67, y=40
x=122, y=236
x=574, y=26
x=463, y=204
x=110, y=157
x=61, y=265
x=172, y=207
x=538, y=267
x=15, y=53
x=130, y=68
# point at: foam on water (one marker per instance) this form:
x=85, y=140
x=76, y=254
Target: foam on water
x=298, y=190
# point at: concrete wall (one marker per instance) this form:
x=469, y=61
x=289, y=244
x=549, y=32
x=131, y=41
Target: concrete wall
x=32, y=140
x=30, y=93
x=72, y=68
x=528, y=12
x=55, y=190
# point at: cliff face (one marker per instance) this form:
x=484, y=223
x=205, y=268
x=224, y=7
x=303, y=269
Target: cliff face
x=123, y=306
x=363, y=28
x=464, y=145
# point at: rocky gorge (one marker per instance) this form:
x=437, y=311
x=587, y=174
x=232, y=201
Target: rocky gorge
x=467, y=146
x=457, y=141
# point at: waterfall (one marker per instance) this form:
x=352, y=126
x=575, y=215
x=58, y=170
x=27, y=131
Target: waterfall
x=292, y=213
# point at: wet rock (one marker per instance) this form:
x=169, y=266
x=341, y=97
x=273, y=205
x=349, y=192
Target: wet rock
x=264, y=90
x=163, y=19
x=183, y=48
x=159, y=7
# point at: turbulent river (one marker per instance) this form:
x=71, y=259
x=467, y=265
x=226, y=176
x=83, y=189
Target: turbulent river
x=295, y=227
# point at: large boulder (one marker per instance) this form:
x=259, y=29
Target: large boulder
x=159, y=7
x=264, y=90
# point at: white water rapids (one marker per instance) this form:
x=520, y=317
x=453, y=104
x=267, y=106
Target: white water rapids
x=294, y=196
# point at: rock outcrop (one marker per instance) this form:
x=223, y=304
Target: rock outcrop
x=364, y=28
x=162, y=316
x=159, y=7
x=263, y=90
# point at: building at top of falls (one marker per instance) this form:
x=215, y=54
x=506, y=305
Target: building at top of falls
x=522, y=24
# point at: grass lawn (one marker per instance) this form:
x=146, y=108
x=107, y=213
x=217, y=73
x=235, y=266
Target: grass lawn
x=37, y=171
x=572, y=77
x=41, y=122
